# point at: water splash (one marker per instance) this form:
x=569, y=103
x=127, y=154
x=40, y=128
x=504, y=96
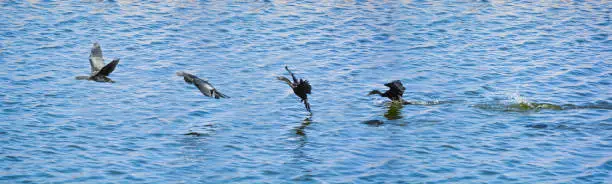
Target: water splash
x=516, y=102
x=518, y=99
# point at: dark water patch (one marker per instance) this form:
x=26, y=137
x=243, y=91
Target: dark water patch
x=10, y=110
x=461, y=179
x=14, y=177
x=440, y=170
x=363, y=40
x=607, y=165
x=270, y=173
x=75, y=147
x=303, y=178
x=381, y=37
x=11, y=158
x=134, y=178
x=198, y=113
x=233, y=147
x=488, y=172
x=537, y=126
x=418, y=175
x=599, y=37
x=373, y=122
x=67, y=128
x=507, y=178
x=450, y=147
x=196, y=134
x=115, y=172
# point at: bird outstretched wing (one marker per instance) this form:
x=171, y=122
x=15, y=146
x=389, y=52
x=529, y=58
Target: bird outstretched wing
x=284, y=79
x=96, y=59
x=109, y=68
x=291, y=73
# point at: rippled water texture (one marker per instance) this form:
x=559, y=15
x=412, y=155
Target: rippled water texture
x=504, y=92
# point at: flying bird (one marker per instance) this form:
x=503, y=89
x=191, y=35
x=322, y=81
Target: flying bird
x=300, y=87
x=202, y=84
x=99, y=71
x=395, y=92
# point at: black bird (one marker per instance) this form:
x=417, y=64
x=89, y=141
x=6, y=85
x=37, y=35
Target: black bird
x=203, y=85
x=395, y=92
x=99, y=71
x=301, y=88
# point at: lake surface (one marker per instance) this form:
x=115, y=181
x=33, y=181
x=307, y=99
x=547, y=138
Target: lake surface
x=504, y=92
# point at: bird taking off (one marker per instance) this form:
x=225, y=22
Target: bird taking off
x=300, y=87
x=395, y=92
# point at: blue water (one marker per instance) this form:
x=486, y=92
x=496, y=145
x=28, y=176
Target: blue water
x=468, y=66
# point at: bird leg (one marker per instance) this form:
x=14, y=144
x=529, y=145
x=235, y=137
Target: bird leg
x=307, y=105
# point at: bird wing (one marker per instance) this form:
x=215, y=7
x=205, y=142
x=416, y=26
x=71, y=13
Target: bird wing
x=291, y=73
x=95, y=59
x=109, y=68
x=285, y=80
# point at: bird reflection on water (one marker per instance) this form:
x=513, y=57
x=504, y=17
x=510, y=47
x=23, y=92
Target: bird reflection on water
x=395, y=111
x=301, y=157
x=300, y=130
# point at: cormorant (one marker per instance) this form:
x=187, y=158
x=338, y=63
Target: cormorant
x=99, y=71
x=395, y=92
x=301, y=88
x=205, y=87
